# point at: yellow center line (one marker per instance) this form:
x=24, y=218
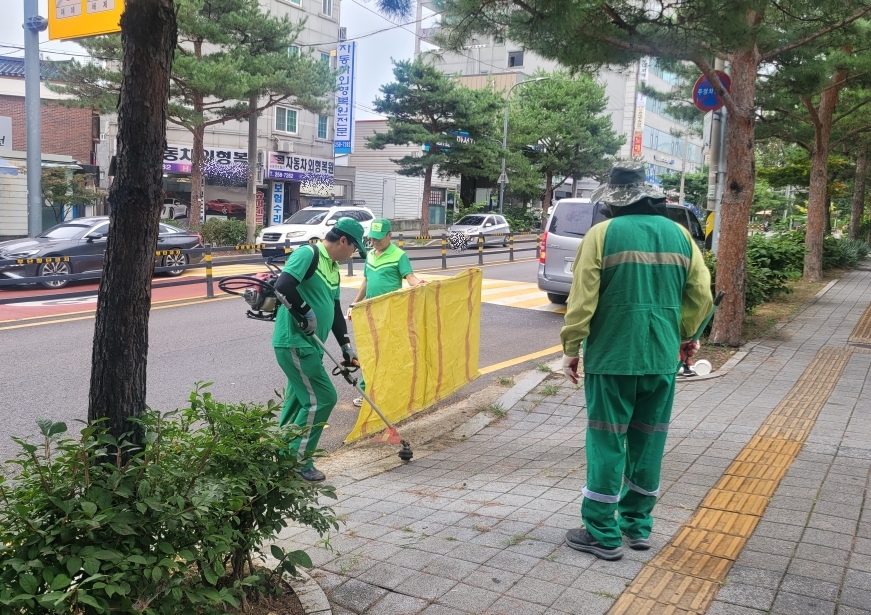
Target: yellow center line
x=517, y=360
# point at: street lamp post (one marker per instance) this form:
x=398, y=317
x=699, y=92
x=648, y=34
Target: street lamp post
x=503, y=178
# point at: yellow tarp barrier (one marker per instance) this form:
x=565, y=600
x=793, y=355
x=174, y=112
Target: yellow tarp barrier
x=417, y=346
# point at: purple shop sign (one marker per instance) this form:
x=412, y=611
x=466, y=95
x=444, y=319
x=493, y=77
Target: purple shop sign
x=295, y=167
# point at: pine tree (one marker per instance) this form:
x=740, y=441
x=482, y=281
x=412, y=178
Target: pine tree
x=560, y=126
x=227, y=52
x=454, y=126
x=746, y=34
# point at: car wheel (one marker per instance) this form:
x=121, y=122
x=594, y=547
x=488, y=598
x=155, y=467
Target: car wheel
x=558, y=299
x=224, y=210
x=171, y=213
x=505, y=241
x=175, y=260
x=51, y=269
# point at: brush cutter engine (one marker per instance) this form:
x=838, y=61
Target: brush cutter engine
x=261, y=298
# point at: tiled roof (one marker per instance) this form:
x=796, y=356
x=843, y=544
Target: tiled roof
x=14, y=67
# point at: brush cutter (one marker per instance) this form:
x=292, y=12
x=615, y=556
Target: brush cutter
x=683, y=368
x=259, y=289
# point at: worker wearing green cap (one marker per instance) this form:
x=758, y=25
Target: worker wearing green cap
x=310, y=282
x=386, y=267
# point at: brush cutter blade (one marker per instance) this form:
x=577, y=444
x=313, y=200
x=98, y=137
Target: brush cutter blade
x=389, y=435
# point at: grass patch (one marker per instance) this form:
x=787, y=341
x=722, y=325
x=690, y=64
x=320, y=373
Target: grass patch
x=407, y=529
x=543, y=367
x=506, y=382
x=516, y=539
x=495, y=409
x=350, y=563
x=480, y=528
x=604, y=594
x=550, y=389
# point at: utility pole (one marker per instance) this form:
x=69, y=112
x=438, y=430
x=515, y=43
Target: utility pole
x=251, y=200
x=33, y=25
x=717, y=150
x=721, y=180
x=683, y=169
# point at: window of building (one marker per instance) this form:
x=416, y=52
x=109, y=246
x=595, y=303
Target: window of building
x=285, y=119
x=292, y=50
x=327, y=7
x=515, y=59
x=322, y=126
x=325, y=57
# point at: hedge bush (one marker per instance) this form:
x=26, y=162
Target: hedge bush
x=90, y=526
x=226, y=232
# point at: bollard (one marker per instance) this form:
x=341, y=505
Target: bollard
x=480, y=248
x=444, y=251
x=511, y=247
x=401, y=241
x=538, y=246
x=351, y=267
x=210, y=289
x=286, y=247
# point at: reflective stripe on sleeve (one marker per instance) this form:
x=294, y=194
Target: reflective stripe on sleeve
x=648, y=429
x=632, y=486
x=612, y=427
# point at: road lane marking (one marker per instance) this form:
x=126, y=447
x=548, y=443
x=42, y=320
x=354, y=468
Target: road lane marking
x=517, y=360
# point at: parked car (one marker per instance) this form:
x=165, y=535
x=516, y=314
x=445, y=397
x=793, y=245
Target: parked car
x=224, y=207
x=569, y=221
x=173, y=209
x=310, y=223
x=87, y=237
x=494, y=228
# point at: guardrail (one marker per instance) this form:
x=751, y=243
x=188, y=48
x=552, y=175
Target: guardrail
x=207, y=263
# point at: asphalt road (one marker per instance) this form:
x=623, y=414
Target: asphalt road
x=46, y=368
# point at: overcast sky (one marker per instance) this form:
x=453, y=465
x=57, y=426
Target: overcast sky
x=374, y=52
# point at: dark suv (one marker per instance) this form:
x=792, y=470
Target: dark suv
x=569, y=221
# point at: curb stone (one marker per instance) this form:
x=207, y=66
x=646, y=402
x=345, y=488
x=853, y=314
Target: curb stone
x=311, y=596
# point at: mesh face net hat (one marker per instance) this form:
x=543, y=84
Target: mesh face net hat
x=626, y=185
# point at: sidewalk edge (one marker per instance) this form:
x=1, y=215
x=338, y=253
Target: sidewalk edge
x=313, y=599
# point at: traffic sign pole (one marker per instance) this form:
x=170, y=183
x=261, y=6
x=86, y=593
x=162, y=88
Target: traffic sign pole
x=33, y=25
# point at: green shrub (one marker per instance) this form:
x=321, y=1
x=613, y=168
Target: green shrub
x=783, y=252
x=226, y=232
x=91, y=527
x=521, y=219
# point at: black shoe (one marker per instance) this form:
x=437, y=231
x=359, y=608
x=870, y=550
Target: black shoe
x=638, y=544
x=312, y=475
x=581, y=540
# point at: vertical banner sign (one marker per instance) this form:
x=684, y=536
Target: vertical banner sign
x=640, y=106
x=277, y=202
x=344, y=139
x=68, y=19
x=259, y=219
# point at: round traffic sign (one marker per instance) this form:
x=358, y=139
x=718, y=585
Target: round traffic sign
x=704, y=96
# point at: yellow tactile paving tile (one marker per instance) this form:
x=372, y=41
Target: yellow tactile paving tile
x=686, y=575
x=862, y=331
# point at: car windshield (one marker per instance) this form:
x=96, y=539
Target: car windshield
x=471, y=221
x=576, y=218
x=308, y=216
x=64, y=231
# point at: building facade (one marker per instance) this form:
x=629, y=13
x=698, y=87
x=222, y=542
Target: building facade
x=644, y=122
x=291, y=141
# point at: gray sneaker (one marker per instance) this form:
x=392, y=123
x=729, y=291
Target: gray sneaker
x=312, y=475
x=638, y=544
x=581, y=540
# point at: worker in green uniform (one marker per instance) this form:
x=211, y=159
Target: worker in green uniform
x=310, y=282
x=387, y=265
x=640, y=286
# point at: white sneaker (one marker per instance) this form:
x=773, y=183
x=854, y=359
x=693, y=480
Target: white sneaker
x=358, y=402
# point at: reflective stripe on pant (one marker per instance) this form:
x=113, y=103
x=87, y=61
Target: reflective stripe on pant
x=309, y=399
x=628, y=424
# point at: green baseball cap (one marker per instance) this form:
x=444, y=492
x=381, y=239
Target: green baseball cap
x=379, y=229
x=353, y=230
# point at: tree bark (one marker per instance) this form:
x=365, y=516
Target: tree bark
x=424, y=206
x=251, y=200
x=858, y=207
x=817, y=204
x=737, y=198
x=120, y=352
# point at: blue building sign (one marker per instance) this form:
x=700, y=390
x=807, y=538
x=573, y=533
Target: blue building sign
x=344, y=139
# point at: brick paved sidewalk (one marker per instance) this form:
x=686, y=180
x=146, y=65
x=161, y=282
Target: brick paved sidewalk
x=763, y=498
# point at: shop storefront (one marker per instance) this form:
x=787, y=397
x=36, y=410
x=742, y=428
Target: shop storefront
x=294, y=180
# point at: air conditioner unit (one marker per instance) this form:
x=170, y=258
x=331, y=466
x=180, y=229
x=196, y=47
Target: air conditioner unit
x=343, y=33
x=285, y=146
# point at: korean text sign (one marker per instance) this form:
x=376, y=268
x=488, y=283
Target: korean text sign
x=295, y=167
x=344, y=140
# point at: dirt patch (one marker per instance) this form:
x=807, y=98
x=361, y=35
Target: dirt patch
x=285, y=604
x=762, y=321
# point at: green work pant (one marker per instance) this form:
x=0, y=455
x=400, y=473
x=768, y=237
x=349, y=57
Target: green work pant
x=308, y=401
x=628, y=424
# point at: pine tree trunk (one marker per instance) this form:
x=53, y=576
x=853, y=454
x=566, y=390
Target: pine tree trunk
x=859, y=192
x=251, y=201
x=817, y=205
x=197, y=200
x=737, y=198
x=424, y=206
x=118, y=370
